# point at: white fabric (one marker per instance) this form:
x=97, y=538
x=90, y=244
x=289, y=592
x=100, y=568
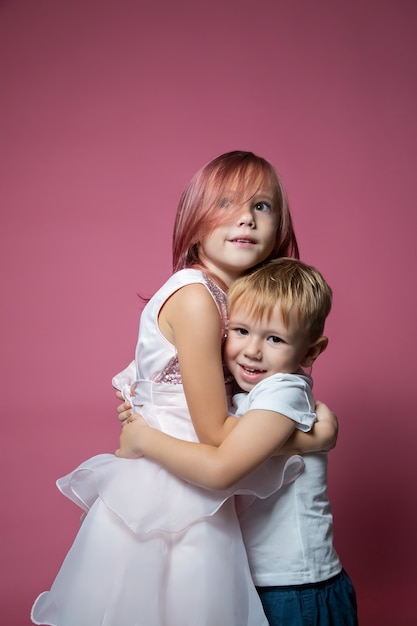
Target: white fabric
x=288, y=394
x=154, y=550
x=289, y=536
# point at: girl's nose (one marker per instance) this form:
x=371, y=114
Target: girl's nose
x=246, y=217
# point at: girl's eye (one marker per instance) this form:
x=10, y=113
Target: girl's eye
x=275, y=339
x=240, y=331
x=225, y=203
x=262, y=206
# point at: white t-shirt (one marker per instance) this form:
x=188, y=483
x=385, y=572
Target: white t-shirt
x=289, y=536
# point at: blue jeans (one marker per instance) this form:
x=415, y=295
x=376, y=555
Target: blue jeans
x=328, y=603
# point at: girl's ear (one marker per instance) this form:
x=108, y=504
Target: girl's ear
x=314, y=350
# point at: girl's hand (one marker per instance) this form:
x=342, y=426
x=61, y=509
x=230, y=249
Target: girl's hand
x=124, y=410
x=326, y=426
x=321, y=438
x=130, y=438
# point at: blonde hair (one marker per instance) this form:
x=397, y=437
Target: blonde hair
x=200, y=208
x=294, y=284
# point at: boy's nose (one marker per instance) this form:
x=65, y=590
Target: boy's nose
x=253, y=351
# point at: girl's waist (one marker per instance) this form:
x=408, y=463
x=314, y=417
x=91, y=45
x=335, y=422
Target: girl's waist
x=144, y=391
x=161, y=394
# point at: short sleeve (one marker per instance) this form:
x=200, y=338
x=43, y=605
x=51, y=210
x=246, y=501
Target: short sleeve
x=288, y=394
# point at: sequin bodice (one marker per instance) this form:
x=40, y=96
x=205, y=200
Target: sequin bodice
x=156, y=358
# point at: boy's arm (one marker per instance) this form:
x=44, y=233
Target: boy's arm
x=257, y=434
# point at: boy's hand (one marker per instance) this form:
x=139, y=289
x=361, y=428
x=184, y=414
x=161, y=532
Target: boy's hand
x=130, y=438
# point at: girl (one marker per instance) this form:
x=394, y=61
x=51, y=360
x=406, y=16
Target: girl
x=154, y=550
x=277, y=316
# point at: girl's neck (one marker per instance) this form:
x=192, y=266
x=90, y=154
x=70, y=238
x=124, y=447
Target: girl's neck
x=222, y=281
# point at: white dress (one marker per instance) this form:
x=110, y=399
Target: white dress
x=155, y=550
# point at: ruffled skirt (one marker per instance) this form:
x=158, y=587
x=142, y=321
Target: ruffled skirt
x=155, y=550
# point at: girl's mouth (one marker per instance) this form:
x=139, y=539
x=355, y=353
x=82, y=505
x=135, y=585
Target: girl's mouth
x=243, y=241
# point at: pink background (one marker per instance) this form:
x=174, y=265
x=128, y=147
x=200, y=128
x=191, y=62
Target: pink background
x=107, y=109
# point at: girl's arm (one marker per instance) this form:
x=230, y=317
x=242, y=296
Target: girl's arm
x=323, y=435
x=190, y=320
x=256, y=436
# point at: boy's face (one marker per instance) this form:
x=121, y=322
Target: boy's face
x=256, y=349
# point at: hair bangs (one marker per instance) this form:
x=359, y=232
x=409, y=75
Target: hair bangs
x=295, y=286
x=252, y=299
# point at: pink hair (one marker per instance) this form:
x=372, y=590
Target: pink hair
x=199, y=210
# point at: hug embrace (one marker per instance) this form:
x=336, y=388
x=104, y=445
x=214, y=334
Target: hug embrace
x=214, y=509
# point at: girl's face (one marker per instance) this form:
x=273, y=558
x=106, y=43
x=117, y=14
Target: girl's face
x=245, y=240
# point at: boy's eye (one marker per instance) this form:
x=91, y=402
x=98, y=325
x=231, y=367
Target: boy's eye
x=275, y=339
x=262, y=206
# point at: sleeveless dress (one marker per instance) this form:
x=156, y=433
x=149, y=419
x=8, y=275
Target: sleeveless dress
x=154, y=550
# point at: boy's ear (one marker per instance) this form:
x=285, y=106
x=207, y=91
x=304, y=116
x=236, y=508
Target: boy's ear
x=314, y=350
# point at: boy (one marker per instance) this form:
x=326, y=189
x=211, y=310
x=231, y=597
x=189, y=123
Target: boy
x=277, y=316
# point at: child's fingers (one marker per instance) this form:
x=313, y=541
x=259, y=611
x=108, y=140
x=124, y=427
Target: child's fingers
x=124, y=411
